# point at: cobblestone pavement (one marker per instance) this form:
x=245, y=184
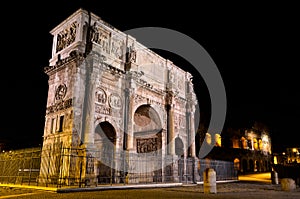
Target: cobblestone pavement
x=233, y=190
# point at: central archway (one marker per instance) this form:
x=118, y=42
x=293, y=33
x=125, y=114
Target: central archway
x=146, y=119
x=148, y=144
x=147, y=129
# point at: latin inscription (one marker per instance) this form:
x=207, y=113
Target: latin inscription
x=61, y=105
x=101, y=109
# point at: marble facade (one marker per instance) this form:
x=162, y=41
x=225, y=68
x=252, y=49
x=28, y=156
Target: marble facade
x=121, y=105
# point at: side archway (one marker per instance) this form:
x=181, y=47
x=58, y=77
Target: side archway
x=105, y=141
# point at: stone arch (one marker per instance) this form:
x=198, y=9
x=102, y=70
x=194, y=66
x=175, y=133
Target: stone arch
x=106, y=131
x=105, y=142
x=266, y=165
x=147, y=141
x=251, y=165
x=260, y=144
x=147, y=129
x=244, y=143
x=179, y=147
x=218, y=140
x=179, y=151
x=146, y=118
x=161, y=114
x=208, y=138
x=244, y=165
x=255, y=144
x=257, y=165
x=114, y=123
x=237, y=163
x=235, y=142
x=161, y=111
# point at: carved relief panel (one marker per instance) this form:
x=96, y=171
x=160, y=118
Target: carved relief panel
x=117, y=48
x=101, y=96
x=101, y=106
x=115, y=101
x=60, y=92
x=60, y=102
x=146, y=145
x=102, y=37
x=66, y=37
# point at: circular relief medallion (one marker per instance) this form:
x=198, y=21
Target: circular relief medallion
x=101, y=96
x=60, y=92
x=115, y=101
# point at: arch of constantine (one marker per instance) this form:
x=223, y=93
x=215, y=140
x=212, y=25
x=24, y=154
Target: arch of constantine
x=116, y=111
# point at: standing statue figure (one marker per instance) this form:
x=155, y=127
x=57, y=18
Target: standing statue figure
x=131, y=54
x=94, y=34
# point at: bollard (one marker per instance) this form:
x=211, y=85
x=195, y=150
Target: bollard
x=209, y=181
x=288, y=184
x=274, y=177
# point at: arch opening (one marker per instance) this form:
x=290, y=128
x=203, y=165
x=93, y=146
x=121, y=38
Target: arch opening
x=105, y=140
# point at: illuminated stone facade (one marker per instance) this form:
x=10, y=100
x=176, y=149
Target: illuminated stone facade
x=249, y=148
x=124, y=107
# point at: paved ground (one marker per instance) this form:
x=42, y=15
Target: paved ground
x=247, y=187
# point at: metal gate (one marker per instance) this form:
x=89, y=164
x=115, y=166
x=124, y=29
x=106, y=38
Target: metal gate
x=186, y=170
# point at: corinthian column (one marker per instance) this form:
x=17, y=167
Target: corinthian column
x=128, y=113
x=88, y=109
x=170, y=125
x=192, y=134
x=128, y=123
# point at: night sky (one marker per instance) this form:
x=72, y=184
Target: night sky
x=254, y=46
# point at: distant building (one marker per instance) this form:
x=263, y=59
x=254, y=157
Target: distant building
x=248, y=148
x=291, y=155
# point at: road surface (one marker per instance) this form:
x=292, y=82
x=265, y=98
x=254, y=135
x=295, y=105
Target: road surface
x=248, y=187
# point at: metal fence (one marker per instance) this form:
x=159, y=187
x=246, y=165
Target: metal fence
x=291, y=170
x=224, y=169
x=56, y=166
x=20, y=166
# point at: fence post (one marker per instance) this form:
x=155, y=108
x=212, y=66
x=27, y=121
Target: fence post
x=19, y=166
x=80, y=173
x=48, y=169
x=30, y=169
x=23, y=156
x=61, y=165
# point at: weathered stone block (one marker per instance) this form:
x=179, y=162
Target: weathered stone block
x=288, y=184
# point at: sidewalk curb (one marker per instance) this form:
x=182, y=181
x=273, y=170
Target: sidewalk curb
x=221, y=181
x=29, y=187
x=109, y=187
x=118, y=187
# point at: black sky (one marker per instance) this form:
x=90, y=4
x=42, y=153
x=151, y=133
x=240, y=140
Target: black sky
x=255, y=47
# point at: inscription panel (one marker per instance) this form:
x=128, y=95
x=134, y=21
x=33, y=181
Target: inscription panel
x=101, y=109
x=61, y=105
